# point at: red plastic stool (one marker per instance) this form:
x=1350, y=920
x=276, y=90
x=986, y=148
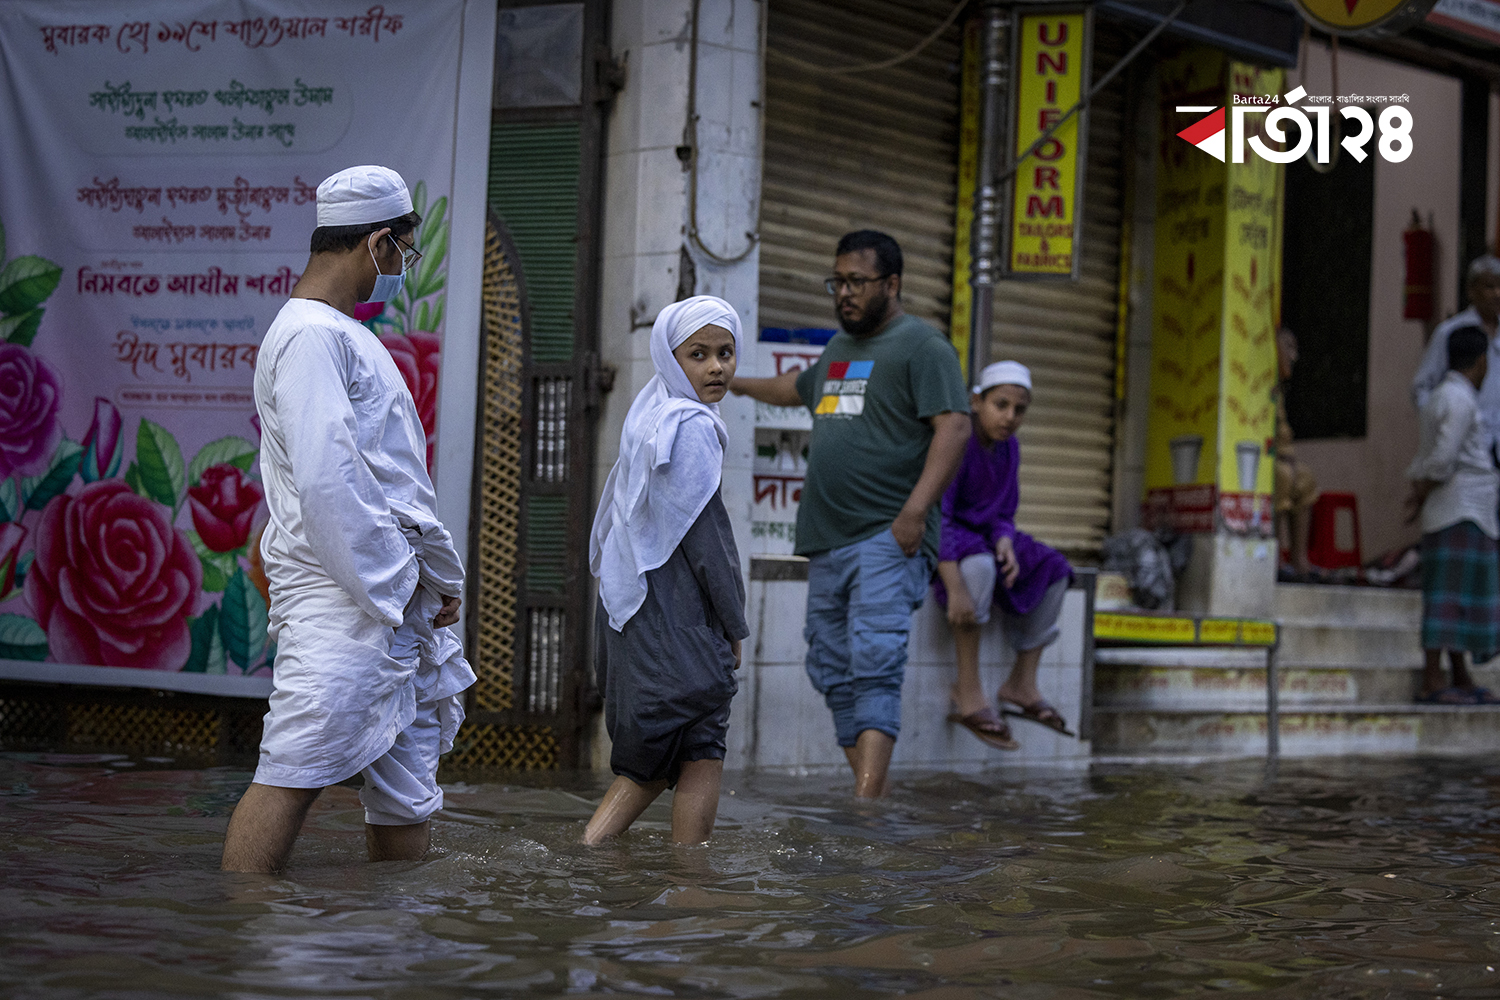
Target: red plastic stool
x=1324, y=535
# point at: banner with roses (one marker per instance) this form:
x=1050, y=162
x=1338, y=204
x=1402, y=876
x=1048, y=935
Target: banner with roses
x=160, y=162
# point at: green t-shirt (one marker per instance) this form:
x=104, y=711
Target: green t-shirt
x=871, y=401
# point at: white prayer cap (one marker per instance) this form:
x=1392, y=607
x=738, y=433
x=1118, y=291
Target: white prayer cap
x=359, y=196
x=1004, y=373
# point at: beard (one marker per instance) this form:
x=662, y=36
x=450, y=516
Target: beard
x=868, y=323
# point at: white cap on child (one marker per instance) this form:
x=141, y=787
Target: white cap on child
x=358, y=196
x=1004, y=373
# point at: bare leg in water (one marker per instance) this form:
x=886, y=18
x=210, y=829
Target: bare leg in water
x=870, y=759
x=264, y=826
x=398, y=843
x=268, y=818
x=695, y=804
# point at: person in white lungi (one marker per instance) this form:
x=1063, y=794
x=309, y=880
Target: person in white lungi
x=364, y=578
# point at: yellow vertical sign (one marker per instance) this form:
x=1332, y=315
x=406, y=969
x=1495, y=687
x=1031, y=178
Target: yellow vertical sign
x=1217, y=272
x=1050, y=75
x=1182, y=436
x=1252, y=271
x=959, y=317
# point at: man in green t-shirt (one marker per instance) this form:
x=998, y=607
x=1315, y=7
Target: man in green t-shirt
x=890, y=422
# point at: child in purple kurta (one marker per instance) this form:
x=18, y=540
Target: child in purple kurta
x=981, y=548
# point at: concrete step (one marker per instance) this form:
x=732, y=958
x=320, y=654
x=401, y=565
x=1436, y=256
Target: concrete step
x=1350, y=646
x=1235, y=680
x=1350, y=663
x=1240, y=689
x=1310, y=730
x=1326, y=626
x=1349, y=607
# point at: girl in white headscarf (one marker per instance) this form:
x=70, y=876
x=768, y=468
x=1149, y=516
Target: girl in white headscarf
x=671, y=598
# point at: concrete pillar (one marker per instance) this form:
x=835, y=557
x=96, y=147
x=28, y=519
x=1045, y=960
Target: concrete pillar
x=650, y=257
x=1217, y=272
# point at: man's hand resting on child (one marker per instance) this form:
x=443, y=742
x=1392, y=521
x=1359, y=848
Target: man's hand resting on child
x=449, y=614
x=1010, y=567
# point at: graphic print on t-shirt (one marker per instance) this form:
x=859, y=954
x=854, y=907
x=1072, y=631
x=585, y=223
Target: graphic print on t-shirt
x=844, y=389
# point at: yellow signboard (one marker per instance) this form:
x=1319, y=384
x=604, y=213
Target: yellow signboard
x=968, y=174
x=1188, y=277
x=1350, y=15
x=1183, y=630
x=1217, y=272
x=1219, y=631
x=1144, y=628
x=1252, y=272
x=1051, y=75
x=1257, y=633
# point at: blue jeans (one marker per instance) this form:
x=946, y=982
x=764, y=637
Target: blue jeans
x=860, y=599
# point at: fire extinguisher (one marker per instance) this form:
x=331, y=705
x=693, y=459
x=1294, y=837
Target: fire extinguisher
x=1419, y=247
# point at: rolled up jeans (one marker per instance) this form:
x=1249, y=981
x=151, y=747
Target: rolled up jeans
x=860, y=599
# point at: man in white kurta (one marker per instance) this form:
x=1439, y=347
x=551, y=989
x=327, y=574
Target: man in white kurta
x=1484, y=312
x=364, y=578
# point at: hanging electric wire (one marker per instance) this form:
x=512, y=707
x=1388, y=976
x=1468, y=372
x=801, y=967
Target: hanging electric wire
x=688, y=151
x=811, y=67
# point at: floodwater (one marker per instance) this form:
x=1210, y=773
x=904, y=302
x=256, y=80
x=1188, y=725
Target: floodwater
x=1328, y=879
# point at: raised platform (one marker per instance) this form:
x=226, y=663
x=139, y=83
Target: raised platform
x=779, y=721
x=1350, y=662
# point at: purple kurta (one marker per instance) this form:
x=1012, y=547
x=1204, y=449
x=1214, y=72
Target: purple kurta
x=979, y=508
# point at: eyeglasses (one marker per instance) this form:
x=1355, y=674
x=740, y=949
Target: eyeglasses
x=409, y=254
x=856, y=285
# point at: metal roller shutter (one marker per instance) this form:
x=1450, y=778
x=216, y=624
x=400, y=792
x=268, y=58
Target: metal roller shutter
x=1065, y=333
x=876, y=150
x=880, y=150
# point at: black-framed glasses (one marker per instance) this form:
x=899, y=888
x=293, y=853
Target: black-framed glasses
x=856, y=285
x=409, y=254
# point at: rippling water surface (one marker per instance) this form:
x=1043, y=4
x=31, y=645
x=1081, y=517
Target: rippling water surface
x=1327, y=879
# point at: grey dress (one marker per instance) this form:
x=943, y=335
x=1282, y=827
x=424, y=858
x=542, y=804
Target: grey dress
x=668, y=677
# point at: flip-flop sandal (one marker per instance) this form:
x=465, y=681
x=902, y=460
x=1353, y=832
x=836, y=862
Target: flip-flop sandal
x=1042, y=713
x=988, y=726
x=1448, y=696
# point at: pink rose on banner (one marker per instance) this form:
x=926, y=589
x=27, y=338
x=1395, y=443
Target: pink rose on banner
x=29, y=395
x=224, y=506
x=103, y=447
x=416, y=354
x=11, y=537
x=113, y=582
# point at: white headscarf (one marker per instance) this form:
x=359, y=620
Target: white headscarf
x=671, y=460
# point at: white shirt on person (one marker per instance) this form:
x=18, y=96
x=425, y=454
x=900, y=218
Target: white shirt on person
x=356, y=557
x=1434, y=366
x=1455, y=451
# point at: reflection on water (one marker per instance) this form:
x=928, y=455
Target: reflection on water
x=1329, y=879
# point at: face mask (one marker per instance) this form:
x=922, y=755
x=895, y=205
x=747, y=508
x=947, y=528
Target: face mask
x=387, y=286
